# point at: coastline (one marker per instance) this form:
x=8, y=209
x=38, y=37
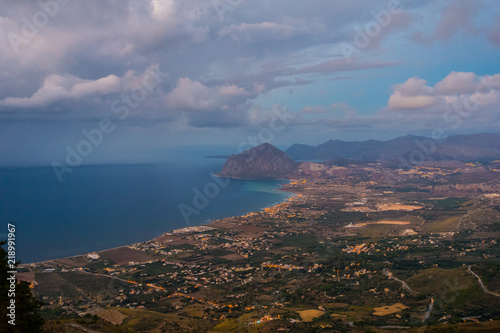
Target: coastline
x=262, y=263
x=282, y=188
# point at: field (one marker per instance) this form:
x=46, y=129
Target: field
x=389, y=309
x=112, y=315
x=449, y=224
x=381, y=222
x=75, y=284
x=310, y=315
x=406, y=208
x=123, y=255
x=312, y=264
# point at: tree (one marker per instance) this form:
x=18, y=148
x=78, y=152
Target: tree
x=27, y=307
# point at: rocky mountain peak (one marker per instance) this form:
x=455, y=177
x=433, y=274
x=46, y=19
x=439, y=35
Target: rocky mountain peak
x=262, y=161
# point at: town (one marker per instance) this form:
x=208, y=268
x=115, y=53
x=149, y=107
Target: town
x=348, y=252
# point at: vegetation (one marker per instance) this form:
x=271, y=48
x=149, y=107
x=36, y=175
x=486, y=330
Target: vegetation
x=27, y=308
x=346, y=254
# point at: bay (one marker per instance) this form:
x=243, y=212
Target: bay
x=101, y=207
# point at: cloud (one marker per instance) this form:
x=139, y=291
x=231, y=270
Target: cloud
x=341, y=65
x=456, y=87
x=254, y=32
x=400, y=101
x=319, y=109
x=57, y=87
x=86, y=50
x=225, y=72
x=457, y=83
x=386, y=25
x=219, y=69
x=232, y=90
x=494, y=32
x=460, y=83
x=314, y=109
x=163, y=9
x=257, y=31
x=194, y=95
x=413, y=87
x=412, y=94
x=457, y=16
x=243, y=116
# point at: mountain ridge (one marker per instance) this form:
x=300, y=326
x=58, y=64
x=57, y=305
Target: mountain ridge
x=267, y=161
x=457, y=147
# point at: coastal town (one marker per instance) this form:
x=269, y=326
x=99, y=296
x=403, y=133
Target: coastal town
x=348, y=252
x=194, y=166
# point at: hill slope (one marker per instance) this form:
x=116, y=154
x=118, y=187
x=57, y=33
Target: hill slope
x=263, y=161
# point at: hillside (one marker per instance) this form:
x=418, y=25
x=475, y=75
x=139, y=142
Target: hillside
x=263, y=161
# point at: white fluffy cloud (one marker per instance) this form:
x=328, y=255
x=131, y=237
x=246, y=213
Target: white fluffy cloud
x=57, y=87
x=412, y=94
x=457, y=83
x=401, y=101
x=415, y=93
x=194, y=95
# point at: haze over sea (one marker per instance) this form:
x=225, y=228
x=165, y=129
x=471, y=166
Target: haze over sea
x=105, y=206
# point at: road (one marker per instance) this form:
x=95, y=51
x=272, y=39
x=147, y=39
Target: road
x=390, y=276
x=429, y=309
x=405, y=286
x=482, y=284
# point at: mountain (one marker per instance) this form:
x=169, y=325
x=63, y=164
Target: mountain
x=267, y=161
x=263, y=161
x=458, y=147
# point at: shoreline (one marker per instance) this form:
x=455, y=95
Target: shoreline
x=293, y=195
x=213, y=221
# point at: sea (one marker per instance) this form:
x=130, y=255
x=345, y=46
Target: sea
x=98, y=207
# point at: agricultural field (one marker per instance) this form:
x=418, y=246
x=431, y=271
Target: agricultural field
x=341, y=255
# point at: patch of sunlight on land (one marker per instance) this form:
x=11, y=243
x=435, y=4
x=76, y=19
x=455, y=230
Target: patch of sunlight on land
x=389, y=309
x=111, y=315
x=309, y=315
x=227, y=325
x=338, y=316
x=392, y=222
x=378, y=222
x=385, y=207
x=450, y=224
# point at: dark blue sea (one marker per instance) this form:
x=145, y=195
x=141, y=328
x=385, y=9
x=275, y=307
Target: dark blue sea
x=101, y=207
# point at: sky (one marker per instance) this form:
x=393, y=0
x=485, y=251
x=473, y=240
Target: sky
x=124, y=81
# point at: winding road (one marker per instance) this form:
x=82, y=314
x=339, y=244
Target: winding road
x=405, y=286
x=481, y=283
x=390, y=276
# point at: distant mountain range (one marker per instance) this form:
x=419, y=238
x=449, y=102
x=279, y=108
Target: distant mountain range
x=458, y=147
x=267, y=161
